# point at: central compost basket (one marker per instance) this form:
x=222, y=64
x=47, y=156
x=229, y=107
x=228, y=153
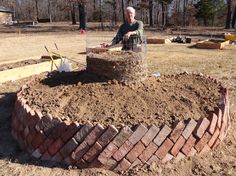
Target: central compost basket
x=109, y=143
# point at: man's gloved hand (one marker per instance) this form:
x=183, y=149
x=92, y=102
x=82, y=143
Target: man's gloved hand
x=105, y=45
x=128, y=34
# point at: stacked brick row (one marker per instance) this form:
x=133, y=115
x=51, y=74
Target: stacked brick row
x=88, y=145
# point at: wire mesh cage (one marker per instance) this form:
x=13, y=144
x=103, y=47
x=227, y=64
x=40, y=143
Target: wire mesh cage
x=103, y=43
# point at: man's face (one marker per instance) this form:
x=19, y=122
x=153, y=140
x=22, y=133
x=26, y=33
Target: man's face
x=130, y=16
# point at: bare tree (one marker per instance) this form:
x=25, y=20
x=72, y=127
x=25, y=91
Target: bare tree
x=151, y=12
x=228, y=18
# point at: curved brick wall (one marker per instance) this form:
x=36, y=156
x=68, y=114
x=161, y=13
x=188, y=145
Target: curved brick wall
x=86, y=145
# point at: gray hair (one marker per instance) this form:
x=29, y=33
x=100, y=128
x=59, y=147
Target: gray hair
x=130, y=9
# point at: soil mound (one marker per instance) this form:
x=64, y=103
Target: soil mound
x=82, y=96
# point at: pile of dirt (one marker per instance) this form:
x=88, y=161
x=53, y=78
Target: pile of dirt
x=82, y=96
x=124, y=66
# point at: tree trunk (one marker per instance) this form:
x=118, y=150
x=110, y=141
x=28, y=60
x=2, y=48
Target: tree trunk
x=228, y=18
x=37, y=9
x=73, y=13
x=49, y=11
x=163, y=14
x=123, y=9
x=234, y=17
x=114, y=13
x=151, y=12
x=101, y=18
x=184, y=11
x=82, y=16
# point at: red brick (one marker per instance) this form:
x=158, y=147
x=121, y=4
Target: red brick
x=219, y=115
x=33, y=119
x=110, y=164
x=188, y=145
x=205, y=149
x=148, y=152
x=21, y=142
x=192, y=152
x=177, y=146
x=58, y=130
x=217, y=142
x=83, y=132
x=55, y=147
x=162, y=135
x=167, y=158
x=81, y=164
x=38, y=139
x=107, y=136
x=214, y=137
x=135, y=163
x=37, y=154
x=68, y=147
x=45, y=122
x=80, y=151
x=45, y=145
x=94, y=134
x=150, y=135
x=46, y=157
x=107, y=153
x=57, y=158
x=189, y=128
x=70, y=131
x=29, y=149
x=69, y=161
x=222, y=131
x=122, y=136
x=19, y=127
x=201, y=127
x=224, y=113
x=26, y=132
x=123, y=165
x=213, y=120
x=123, y=150
x=202, y=142
x=31, y=136
x=177, y=131
x=138, y=134
x=164, y=148
x=179, y=157
x=153, y=159
x=95, y=164
x=93, y=152
x=135, y=152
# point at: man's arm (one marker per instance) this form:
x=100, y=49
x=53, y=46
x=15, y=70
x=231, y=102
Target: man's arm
x=118, y=37
x=139, y=31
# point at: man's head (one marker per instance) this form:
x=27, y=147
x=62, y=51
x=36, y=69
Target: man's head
x=130, y=14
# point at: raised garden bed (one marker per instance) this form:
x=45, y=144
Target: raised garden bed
x=23, y=69
x=60, y=119
x=212, y=44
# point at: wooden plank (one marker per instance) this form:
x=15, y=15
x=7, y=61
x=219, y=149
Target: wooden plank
x=206, y=44
x=157, y=41
x=26, y=71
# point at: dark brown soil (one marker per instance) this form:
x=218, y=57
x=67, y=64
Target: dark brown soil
x=82, y=96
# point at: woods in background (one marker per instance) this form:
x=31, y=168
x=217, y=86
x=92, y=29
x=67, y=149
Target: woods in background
x=161, y=13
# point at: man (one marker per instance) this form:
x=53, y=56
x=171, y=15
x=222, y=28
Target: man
x=130, y=32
